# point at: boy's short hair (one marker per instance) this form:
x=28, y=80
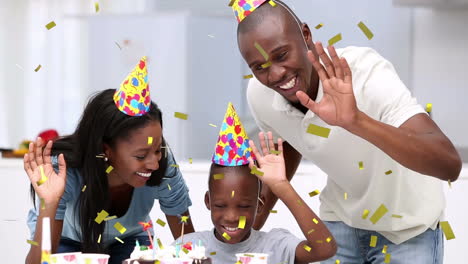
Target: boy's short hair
x=240, y=171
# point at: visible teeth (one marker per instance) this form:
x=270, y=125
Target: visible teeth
x=144, y=174
x=289, y=84
x=232, y=229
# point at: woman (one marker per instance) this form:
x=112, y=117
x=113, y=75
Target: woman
x=117, y=161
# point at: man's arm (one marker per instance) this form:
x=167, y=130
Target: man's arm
x=292, y=159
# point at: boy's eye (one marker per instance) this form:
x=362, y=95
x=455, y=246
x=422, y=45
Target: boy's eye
x=140, y=157
x=219, y=205
x=244, y=206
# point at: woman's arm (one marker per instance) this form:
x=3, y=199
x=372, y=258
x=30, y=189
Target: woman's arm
x=175, y=224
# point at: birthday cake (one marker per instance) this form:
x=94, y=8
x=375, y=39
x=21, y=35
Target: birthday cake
x=187, y=254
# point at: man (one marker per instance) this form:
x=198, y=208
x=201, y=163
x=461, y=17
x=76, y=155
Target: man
x=383, y=155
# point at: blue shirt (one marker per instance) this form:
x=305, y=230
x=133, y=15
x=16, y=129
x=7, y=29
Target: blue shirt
x=172, y=201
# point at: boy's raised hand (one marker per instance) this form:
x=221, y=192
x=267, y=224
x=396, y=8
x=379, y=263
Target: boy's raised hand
x=270, y=161
x=48, y=184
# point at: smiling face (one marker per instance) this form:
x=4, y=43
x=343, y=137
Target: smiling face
x=226, y=209
x=133, y=159
x=279, y=34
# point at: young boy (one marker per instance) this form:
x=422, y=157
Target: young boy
x=234, y=199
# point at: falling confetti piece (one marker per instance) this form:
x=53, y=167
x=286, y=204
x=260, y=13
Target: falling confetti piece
x=315, y=221
x=310, y=231
x=150, y=140
x=185, y=250
x=334, y=40
x=256, y=171
x=181, y=115
x=396, y=216
x=387, y=258
x=272, y=3
x=120, y=227
x=110, y=218
x=32, y=242
x=275, y=152
x=249, y=76
x=43, y=177
x=212, y=125
x=318, y=131
x=42, y=204
x=307, y=248
x=83, y=189
x=361, y=165
x=366, y=30
x=241, y=222
x=218, y=176
x=118, y=239
x=190, y=160
x=211, y=36
x=319, y=26
x=337, y=261
x=118, y=45
x=231, y=2
x=448, y=232
x=21, y=68
x=450, y=184
x=274, y=211
x=381, y=211
x=346, y=196
x=365, y=214
x=261, y=50
x=429, y=107
x=388, y=172
x=249, y=255
x=160, y=245
x=50, y=25
x=99, y=239
x=312, y=194
x=266, y=65
x=384, y=249
x=175, y=165
x=232, y=194
x=213, y=253
x=38, y=68
x=161, y=222
x=169, y=187
x=96, y=7
x=329, y=239
x=109, y=169
x=101, y=216
x=226, y=236
x=299, y=202
x=373, y=241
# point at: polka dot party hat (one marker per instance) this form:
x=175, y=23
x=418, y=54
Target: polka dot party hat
x=133, y=96
x=232, y=147
x=243, y=8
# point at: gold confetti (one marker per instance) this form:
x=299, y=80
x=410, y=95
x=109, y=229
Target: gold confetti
x=384, y=249
x=448, y=232
x=346, y=196
x=429, y=107
x=118, y=45
x=226, y=236
x=43, y=176
x=299, y=202
x=388, y=172
x=110, y=218
x=185, y=250
x=361, y=165
x=318, y=131
x=101, y=216
x=387, y=258
x=50, y=25
x=319, y=26
x=161, y=222
x=261, y=50
x=169, y=187
x=315, y=221
x=213, y=125
x=175, y=165
x=255, y=171
x=381, y=211
x=450, y=184
x=365, y=214
x=218, y=176
x=272, y=3
x=310, y=231
x=38, y=68
x=312, y=194
x=42, y=204
x=160, y=245
x=120, y=227
x=319, y=241
x=109, y=169
x=274, y=211
x=329, y=239
x=373, y=241
x=150, y=140
x=249, y=255
x=307, y=248
x=190, y=160
x=32, y=242
x=334, y=40
x=99, y=239
x=213, y=253
x=231, y=2
x=365, y=30
x=396, y=216
x=232, y=194
x=181, y=115
x=266, y=64
x=249, y=76
x=83, y=189
x=275, y=152
x=337, y=261
x=96, y=6
x=118, y=239
x=241, y=222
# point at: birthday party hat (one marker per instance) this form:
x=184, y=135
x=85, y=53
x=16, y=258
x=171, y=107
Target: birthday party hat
x=243, y=8
x=232, y=147
x=133, y=96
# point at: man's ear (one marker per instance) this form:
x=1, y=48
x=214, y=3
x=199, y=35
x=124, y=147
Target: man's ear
x=307, y=36
x=207, y=200
x=261, y=203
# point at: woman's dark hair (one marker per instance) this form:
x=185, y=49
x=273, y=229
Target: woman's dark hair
x=101, y=123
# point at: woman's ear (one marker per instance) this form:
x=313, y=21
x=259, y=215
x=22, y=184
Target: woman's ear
x=107, y=150
x=207, y=200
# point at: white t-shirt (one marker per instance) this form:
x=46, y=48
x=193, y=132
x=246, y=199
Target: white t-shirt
x=379, y=93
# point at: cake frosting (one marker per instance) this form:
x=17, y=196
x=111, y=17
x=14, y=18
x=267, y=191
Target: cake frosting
x=186, y=254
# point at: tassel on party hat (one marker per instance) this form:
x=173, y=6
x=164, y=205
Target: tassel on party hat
x=232, y=148
x=133, y=97
x=243, y=8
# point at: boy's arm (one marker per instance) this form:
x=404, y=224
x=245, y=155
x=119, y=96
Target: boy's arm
x=319, y=243
x=292, y=159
